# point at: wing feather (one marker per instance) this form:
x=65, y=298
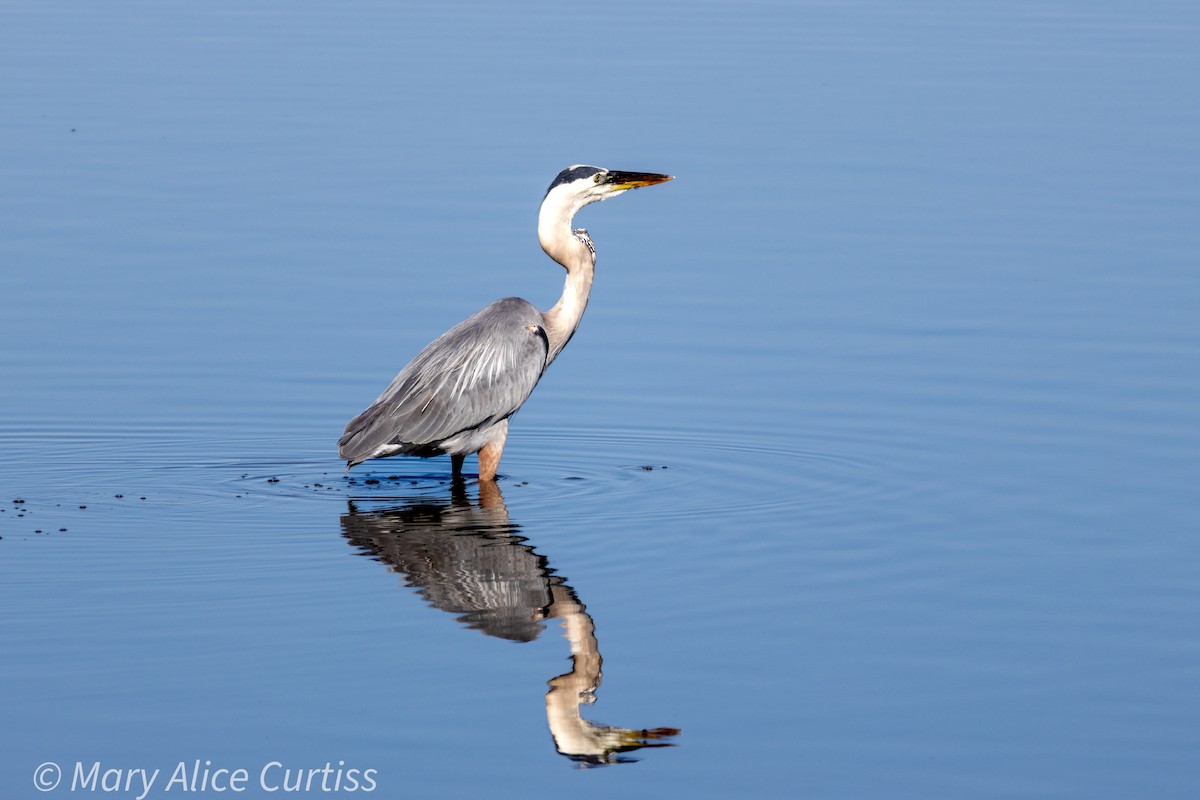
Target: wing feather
x=474, y=375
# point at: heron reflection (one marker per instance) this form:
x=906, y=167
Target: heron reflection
x=468, y=559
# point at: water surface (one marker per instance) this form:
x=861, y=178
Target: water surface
x=870, y=473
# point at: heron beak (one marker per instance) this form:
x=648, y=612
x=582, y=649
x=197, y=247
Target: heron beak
x=621, y=181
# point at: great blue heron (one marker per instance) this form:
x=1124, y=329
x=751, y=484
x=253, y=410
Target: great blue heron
x=456, y=396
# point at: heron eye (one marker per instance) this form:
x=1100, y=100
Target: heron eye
x=597, y=178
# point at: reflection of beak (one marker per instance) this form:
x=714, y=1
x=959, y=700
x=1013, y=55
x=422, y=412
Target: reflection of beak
x=635, y=180
x=634, y=740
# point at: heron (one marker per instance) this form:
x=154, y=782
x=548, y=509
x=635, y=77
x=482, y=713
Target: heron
x=458, y=394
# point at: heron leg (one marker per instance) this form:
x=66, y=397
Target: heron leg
x=456, y=464
x=489, y=456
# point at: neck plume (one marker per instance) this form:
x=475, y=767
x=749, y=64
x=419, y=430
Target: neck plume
x=577, y=255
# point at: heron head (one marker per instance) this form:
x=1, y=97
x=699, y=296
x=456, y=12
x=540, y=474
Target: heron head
x=580, y=184
x=575, y=187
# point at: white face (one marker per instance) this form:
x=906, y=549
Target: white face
x=576, y=187
x=579, y=182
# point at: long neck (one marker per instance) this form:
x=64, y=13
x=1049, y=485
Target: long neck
x=579, y=259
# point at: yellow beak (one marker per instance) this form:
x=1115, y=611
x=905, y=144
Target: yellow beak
x=635, y=180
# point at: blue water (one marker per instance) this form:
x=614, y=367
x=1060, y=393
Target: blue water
x=871, y=470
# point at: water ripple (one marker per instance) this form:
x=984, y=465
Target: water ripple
x=607, y=471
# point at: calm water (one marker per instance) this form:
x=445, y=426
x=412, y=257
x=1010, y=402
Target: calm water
x=871, y=472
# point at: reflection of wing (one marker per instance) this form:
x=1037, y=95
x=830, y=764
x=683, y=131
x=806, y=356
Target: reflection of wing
x=465, y=560
x=472, y=376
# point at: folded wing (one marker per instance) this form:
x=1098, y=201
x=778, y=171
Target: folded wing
x=471, y=377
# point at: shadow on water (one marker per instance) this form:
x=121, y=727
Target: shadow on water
x=468, y=559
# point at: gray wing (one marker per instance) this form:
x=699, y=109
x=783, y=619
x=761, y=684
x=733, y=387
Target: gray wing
x=472, y=376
